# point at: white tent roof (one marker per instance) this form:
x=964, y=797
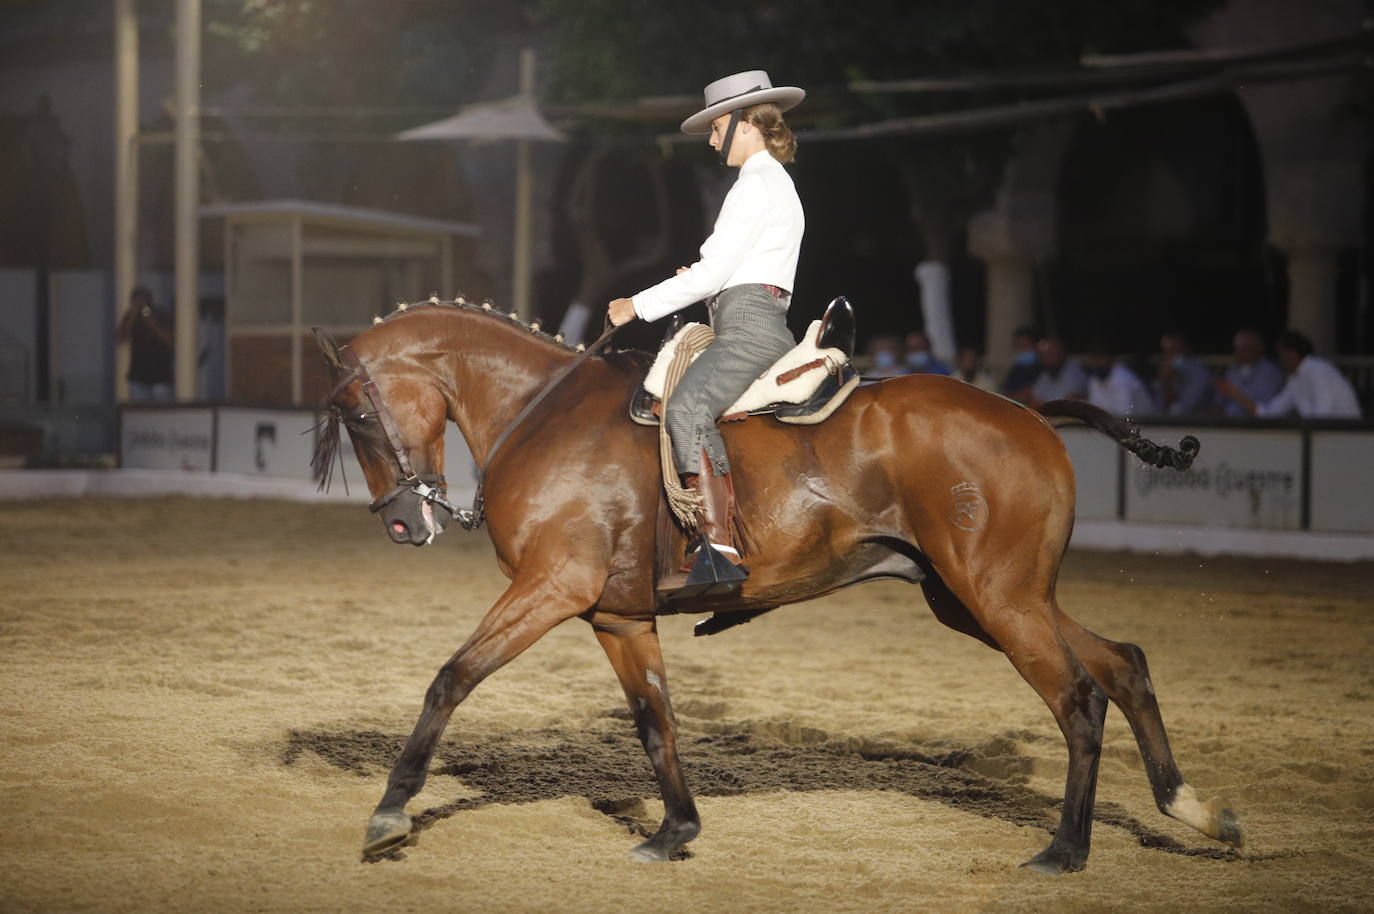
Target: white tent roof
x=514, y=118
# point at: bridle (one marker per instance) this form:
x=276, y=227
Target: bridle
x=432, y=487
x=429, y=487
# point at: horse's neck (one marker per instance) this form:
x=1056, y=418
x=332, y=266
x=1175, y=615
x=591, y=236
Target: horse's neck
x=495, y=370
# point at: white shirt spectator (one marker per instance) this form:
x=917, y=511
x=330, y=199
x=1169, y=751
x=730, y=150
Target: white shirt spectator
x=1317, y=390
x=1070, y=381
x=1121, y=393
x=757, y=239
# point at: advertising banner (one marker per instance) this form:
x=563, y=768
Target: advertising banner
x=1096, y=466
x=265, y=442
x=1342, y=497
x=1241, y=478
x=167, y=439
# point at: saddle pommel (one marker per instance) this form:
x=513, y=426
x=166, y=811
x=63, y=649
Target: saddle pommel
x=838, y=327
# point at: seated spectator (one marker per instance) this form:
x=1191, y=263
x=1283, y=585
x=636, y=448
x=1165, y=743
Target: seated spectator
x=919, y=359
x=1060, y=378
x=1113, y=386
x=1250, y=373
x=884, y=354
x=1025, y=365
x=1316, y=389
x=1184, y=386
x=969, y=369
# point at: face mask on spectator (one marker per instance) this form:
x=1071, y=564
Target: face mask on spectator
x=884, y=359
x=1025, y=358
x=918, y=359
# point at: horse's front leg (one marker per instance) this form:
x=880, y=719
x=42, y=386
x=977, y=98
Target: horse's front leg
x=633, y=649
x=528, y=609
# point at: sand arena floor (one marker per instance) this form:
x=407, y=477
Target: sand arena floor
x=201, y=700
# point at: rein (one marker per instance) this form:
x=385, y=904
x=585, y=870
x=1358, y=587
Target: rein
x=432, y=487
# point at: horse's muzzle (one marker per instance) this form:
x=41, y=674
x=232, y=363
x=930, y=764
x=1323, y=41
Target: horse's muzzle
x=413, y=521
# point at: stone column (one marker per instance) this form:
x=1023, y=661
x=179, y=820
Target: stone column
x=1312, y=301
x=1313, y=145
x=1018, y=232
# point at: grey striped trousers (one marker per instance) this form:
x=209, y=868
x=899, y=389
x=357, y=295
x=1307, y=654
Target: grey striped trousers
x=751, y=334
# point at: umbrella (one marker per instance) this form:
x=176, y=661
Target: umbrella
x=514, y=118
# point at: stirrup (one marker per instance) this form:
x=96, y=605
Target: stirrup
x=712, y=575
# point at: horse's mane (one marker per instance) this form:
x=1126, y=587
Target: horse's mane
x=327, y=447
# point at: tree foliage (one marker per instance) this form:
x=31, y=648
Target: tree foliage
x=609, y=49
x=359, y=52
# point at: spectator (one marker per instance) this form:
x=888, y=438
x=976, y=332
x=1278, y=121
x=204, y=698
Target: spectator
x=884, y=354
x=969, y=369
x=1025, y=365
x=1113, y=386
x=1060, y=377
x=1316, y=389
x=149, y=334
x=210, y=363
x=919, y=359
x=1250, y=373
x=1184, y=386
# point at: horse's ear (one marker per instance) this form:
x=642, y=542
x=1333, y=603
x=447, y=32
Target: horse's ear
x=329, y=348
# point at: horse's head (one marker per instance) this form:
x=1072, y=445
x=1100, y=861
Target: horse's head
x=395, y=417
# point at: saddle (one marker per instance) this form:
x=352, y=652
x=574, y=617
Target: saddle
x=804, y=387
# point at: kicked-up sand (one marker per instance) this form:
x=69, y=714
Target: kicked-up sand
x=200, y=700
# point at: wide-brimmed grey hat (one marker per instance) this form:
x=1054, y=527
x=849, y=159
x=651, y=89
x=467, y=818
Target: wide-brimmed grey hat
x=752, y=87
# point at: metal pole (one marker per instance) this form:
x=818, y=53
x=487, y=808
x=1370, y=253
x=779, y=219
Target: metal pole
x=446, y=289
x=187, y=196
x=125, y=177
x=524, y=181
x=297, y=306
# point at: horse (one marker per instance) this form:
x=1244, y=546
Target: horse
x=920, y=478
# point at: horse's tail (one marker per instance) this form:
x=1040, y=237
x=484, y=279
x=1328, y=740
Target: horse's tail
x=1078, y=412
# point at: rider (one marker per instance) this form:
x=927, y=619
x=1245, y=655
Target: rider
x=746, y=272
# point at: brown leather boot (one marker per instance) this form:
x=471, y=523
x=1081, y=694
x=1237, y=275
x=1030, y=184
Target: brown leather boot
x=716, y=517
x=715, y=567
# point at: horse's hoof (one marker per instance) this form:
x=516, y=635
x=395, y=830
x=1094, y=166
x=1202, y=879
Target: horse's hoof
x=1054, y=862
x=665, y=842
x=648, y=853
x=384, y=830
x=1228, y=830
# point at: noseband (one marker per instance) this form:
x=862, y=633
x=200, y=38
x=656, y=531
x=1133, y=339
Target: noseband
x=429, y=487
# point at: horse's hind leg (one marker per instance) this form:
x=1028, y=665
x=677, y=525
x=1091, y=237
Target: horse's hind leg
x=633, y=649
x=1123, y=673
x=524, y=614
x=1020, y=622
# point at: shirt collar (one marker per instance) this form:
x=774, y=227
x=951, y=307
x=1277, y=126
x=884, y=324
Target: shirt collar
x=755, y=162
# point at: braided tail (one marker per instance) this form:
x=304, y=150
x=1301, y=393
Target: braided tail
x=1079, y=412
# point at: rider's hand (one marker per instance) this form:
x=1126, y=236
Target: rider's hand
x=681, y=270
x=621, y=311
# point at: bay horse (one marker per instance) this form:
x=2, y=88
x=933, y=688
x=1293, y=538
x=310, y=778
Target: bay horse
x=919, y=478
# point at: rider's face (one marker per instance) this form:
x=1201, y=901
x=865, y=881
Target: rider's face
x=718, y=128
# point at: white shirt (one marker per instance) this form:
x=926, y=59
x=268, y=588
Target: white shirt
x=757, y=238
x=1120, y=393
x=1317, y=390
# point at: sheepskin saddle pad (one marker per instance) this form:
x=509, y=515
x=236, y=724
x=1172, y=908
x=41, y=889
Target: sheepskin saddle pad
x=804, y=387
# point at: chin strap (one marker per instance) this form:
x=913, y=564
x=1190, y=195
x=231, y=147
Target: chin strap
x=730, y=136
